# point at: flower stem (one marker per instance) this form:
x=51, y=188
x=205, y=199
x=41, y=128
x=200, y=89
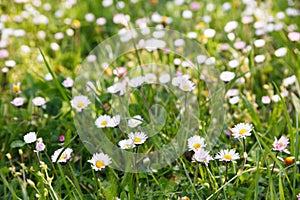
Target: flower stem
x=274, y=164
x=245, y=158
x=226, y=175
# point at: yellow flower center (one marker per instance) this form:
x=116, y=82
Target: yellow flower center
x=16, y=88
x=197, y=146
x=135, y=122
x=227, y=156
x=150, y=80
x=80, y=104
x=127, y=145
x=62, y=157
x=104, y=122
x=242, y=131
x=185, y=87
x=136, y=140
x=99, y=163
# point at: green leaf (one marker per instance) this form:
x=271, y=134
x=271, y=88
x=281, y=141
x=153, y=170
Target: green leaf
x=17, y=144
x=53, y=106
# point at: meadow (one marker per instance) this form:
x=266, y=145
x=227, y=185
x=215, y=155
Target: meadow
x=133, y=99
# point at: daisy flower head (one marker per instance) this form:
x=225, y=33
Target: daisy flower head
x=150, y=78
x=281, y=144
x=135, y=121
x=136, y=82
x=195, y=143
x=117, y=88
x=242, y=130
x=18, y=101
x=177, y=80
x=40, y=146
x=103, y=121
x=16, y=88
x=202, y=156
x=38, y=101
x=30, y=137
x=80, y=102
x=187, y=85
x=64, y=156
x=99, y=161
x=126, y=144
x=68, y=83
x=138, y=137
x=114, y=121
x=165, y=78
x=227, y=76
x=227, y=155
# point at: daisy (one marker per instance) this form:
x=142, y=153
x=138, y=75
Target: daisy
x=136, y=82
x=138, y=137
x=165, y=78
x=40, y=146
x=30, y=137
x=114, y=121
x=38, y=101
x=16, y=88
x=135, y=121
x=289, y=80
x=120, y=71
x=227, y=155
x=187, y=85
x=64, y=156
x=202, y=156
x=234, y=100
x=80, y=102
x=177, y=80
x=294, y=36
x=126, y=144
x=259, y=43
x=227, y=76
x=281, y=144
x=242, y=130
x=18, y=101
x=259, y=58
x=68, y=83
x=209, y=33
x=265, y=99
x=119, y=88
x=281, y=52
x=195, y=143
x=99, y=161
x=102, y=121
x=150, y=78
x=234, y=63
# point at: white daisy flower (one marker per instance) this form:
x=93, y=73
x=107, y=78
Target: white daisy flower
x=165, y=78
x=209, y=33
x=68, y=83
x=102, y=121
x=202, y=156
x=227, y=155
x=126, y=144
x=64, y=156
x=265, y=99
x=40, y=146
x=259, y=58
x=114, y=121
x=80, y=102
x=177, y=80
x=259, y=43
x=135, y=121
x=30, y=137
x=281, y=52
x=234, y=63
x=195, y=143
x=242, y=130
x=18, y=101
x=230, y=26
x=16, y=88
x=289, y=80
x=150, y=78
x=119, y=88
x=281, y=144
x=234, y=100
x=227, y=76
x=138, y=137
x=38, y=101
x=136, y=82
x=187, y=85
x=99, y=161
